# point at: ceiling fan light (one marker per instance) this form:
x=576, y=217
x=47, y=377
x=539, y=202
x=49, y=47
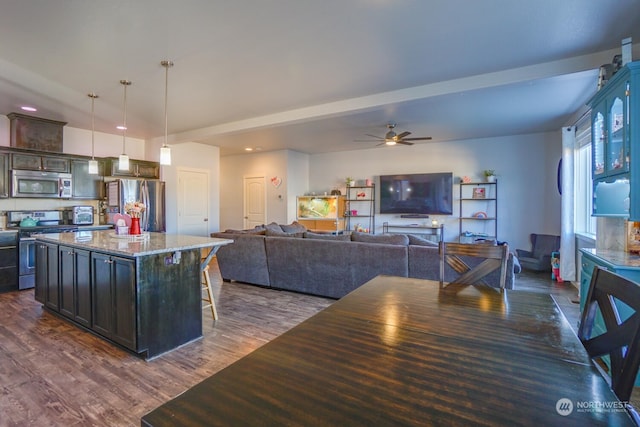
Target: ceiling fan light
x=93, y=167
x=390, y=142
x=165, y=155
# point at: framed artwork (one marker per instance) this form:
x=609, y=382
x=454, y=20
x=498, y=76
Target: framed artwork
x=479, y=193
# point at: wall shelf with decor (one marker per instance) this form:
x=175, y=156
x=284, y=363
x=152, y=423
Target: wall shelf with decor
x=321, y=213
x=478, y=211
x=360, y=211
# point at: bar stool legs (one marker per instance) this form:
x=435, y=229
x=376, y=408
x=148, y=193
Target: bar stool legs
x=208, y=299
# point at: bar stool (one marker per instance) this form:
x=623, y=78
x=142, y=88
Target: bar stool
x=208, y=298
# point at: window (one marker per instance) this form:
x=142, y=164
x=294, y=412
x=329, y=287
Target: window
x=585, y=223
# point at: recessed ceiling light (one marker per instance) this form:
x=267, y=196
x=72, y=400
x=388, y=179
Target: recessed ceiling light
x=120, y=127
x=27, y=108
x=248, y=149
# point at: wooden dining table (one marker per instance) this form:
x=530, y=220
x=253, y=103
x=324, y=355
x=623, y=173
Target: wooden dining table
x=402, y=351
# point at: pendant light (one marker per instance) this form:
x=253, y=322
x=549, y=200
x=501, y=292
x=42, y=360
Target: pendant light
x=165, y=151
x=123, y=160
x=93, y=163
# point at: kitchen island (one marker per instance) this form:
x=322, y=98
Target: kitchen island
x=141, y=293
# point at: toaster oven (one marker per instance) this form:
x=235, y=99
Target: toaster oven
x=82, y=215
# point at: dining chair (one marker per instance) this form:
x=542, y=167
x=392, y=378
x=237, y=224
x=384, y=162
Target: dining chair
x=620, y=340
x=458, y=255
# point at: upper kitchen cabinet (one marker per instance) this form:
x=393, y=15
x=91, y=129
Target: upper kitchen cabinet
x=4, y=175
x=39, y=163
x=615, y=112
x=36, y=133
x=85, y=185
x=137, y=169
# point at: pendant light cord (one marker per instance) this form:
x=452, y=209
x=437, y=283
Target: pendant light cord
x=166, y=64
x=125, y=83
x=93, y=97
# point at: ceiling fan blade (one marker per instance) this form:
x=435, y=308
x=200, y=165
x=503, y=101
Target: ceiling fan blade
x=379, y=138
x=424, y=138
x=404, y=142
x=367, y=140
x=402, y=135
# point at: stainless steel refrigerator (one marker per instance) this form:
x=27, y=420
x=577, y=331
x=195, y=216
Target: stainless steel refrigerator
x=148, y=191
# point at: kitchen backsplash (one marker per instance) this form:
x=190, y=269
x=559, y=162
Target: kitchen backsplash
x=14, y=204
x=611, y=233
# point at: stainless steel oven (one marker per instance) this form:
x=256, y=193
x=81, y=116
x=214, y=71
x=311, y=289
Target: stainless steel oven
x=40, y=184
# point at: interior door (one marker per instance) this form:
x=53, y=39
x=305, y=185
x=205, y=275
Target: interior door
x=193, y=202
x=254, y=201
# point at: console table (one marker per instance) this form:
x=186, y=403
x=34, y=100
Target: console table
x=429, y=230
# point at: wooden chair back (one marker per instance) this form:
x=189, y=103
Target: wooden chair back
x=621, y=339
x=495, y=257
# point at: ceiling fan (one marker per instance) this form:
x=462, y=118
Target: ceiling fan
x=392, y=138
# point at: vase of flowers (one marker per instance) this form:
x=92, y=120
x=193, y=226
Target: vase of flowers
x=135, y=210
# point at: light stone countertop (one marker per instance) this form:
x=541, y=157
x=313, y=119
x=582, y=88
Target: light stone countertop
x=619, y=259
x=130, y=246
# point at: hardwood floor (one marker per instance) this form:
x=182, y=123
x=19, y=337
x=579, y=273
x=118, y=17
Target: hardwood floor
x=54, y=374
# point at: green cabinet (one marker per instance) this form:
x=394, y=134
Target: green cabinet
x=114, y=298
x=5, y=183
x=86, y=185
x=615, y=175
x=75, y=287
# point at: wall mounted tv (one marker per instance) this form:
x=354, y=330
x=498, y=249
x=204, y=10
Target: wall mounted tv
x=423, y=194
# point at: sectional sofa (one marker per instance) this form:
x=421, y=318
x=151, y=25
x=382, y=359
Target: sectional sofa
x=289, y=257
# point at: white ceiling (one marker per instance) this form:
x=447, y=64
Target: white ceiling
x=310, y=75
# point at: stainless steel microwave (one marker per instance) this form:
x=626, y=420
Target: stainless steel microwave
x=48, y=185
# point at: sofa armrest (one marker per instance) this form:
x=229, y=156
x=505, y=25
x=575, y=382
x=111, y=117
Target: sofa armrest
x=524, y=254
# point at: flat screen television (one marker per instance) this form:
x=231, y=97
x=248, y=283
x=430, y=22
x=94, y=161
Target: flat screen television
x=422, y=194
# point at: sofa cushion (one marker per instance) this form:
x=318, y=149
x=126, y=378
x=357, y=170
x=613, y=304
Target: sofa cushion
x=327, y=236
x=415, y=239
x=257, y=231
x=273, y=226
x=294, y=227
x=279, y=233
x=388, y=239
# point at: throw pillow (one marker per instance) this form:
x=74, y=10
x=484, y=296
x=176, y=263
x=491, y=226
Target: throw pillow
x=389, y=239
x=294, y=227
x=250, y=231
x=421, y=241
x=327, y=236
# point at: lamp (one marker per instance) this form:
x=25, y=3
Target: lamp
x=93, y=163
x=123, y=160
x=165, y=151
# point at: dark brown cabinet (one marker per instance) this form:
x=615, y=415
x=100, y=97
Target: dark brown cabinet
x=5, y=183
x=47, y=289
x=85, y=185
x=114, y=298
x=39, y=163
x=75, y=286
x=137, y=169
x=8, y=261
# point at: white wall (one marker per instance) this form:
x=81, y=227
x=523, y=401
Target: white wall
x=271, y=164
x=297, y=180
x=526, y=165
x=195, y=156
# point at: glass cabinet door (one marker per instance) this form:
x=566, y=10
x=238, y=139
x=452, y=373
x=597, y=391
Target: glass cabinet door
x=598, y=139
x=616, y=142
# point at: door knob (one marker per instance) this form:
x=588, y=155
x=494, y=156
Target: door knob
x=206, y=219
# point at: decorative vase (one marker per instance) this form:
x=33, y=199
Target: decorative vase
x=491, y=178
x=135, y=226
